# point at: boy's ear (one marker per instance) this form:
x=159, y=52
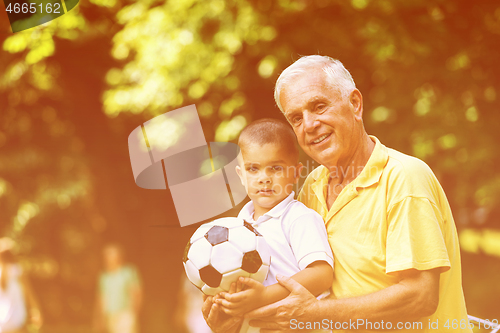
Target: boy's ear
x=240, y=174
x=298, y=170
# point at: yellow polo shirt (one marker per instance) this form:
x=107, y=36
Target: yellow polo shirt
x=394, y=216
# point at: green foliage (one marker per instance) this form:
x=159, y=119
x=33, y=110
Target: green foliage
x=175, y=52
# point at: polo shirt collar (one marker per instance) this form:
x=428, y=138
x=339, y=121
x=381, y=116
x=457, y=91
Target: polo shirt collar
x=373, y=169
x=276, y=212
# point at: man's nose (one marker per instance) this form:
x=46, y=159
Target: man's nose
x=310, y=121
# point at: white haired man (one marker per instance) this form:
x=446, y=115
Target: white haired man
x=388, y=220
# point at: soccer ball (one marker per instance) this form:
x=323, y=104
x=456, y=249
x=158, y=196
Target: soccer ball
x=221, y=251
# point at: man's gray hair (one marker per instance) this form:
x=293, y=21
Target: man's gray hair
x=336, y=74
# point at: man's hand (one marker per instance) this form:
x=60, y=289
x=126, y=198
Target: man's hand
x=274, y=318
x=218, y=321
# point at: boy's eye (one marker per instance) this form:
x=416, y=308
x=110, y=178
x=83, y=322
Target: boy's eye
x=251, y=169
x=277, y=168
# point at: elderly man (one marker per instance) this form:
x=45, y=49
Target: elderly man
x=397, y=257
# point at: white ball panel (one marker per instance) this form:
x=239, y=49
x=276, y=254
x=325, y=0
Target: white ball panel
x=193, y=274
x=229, y=222
x=199, y=253
x=211, y=291
x=263, y=249
x=243, y=239
x=231, y=277
x=226, y=257
x=261, y=274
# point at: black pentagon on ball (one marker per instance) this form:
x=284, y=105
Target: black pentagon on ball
x=251, y=262
x=186, y=250
x=217, y=235
x=210, y=276
x=252, y=229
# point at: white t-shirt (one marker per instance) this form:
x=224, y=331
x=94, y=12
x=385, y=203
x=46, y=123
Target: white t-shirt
x=12, y=301
x=295, y=234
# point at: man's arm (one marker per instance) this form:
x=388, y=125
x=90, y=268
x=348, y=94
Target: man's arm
x=415, y=296
x=316, y=278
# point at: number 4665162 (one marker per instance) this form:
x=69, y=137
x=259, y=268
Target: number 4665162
x=34, y=8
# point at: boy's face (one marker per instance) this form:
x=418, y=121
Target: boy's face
x=268, y=175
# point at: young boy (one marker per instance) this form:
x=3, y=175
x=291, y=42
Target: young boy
x=296, y=235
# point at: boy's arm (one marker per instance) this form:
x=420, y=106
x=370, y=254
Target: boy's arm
x=317, y=277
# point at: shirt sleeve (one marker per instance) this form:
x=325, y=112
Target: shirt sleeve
x=415, y=236
x=309, y=241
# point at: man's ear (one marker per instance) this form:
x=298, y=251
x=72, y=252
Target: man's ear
x=298, y=169
x=240, y=174
x=356, y=101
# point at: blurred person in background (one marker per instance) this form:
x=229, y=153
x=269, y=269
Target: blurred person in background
x=17, y=300
x=187, y=315
x=119, y=296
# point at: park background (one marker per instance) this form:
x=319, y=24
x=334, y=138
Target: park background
x=73, y=89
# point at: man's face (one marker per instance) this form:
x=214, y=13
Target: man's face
x=268, y=175
x=328, y=127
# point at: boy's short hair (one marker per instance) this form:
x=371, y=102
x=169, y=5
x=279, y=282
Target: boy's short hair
x=268, y=130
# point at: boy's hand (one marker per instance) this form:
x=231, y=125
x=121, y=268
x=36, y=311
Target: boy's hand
x=249, y=295
x=216, y=319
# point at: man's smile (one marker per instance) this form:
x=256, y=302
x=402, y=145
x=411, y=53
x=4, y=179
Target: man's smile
x=320, y=139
